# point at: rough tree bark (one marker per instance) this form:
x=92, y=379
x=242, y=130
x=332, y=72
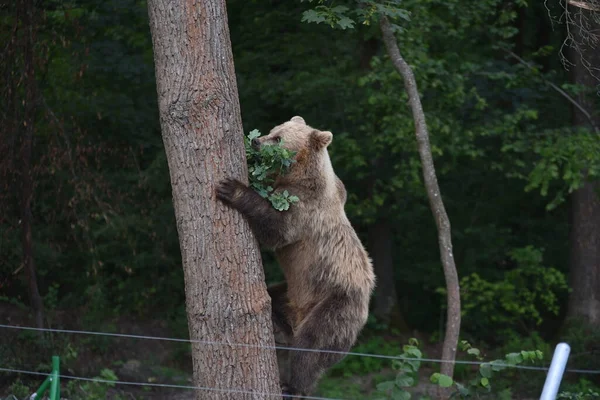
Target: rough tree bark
x=584, y=300
x=201, y=126
x=26, y=14
x=435, y=199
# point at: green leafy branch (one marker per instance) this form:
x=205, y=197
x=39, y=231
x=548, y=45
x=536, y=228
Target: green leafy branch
x=481, y=384
x=407, y=376
x=344, y=18
x=264, y=165
x=410, y=363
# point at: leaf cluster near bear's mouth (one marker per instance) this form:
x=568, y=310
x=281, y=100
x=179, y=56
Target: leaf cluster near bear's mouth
x=264, y=165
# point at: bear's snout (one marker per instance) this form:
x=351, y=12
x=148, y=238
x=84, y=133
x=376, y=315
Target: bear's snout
x=255, y=144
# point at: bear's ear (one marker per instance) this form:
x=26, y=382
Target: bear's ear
x=320, y=139
x=298, y=120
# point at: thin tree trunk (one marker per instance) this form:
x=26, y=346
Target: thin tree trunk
x=584, y=300
x=201, y=126
x=386, y=298
x=26, y=169
x=435, y=200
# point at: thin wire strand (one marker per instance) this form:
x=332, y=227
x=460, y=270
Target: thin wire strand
x=165, y=385
x=346, y=353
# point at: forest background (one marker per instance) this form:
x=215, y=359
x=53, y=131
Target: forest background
x=86, y=197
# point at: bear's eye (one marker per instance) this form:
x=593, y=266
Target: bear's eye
x=278, y=139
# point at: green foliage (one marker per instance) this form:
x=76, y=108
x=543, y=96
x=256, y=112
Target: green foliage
x=356, y=365
x=478, y=386
x=587, y=395
x=518, y=302
x=584, y=340
x=341, y=388
x=567, y=159
x=19, y=389
x=333, y=16
x=80, y=390
x=264, y=165
x=364, y=12
x=104, y=229
x=51, y=298
x=526, y=381
x=408, y=367
x=582, y=390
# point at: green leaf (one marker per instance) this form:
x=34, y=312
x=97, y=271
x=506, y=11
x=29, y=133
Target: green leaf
x=464, y=345
x=474, y=351
x=485, y=370
x=383, y=386
x=514, y=358
x=413, y=364
x=462, y=389
x=445, y=381
x=339, y=9
x=441, y=379
x=485, y=382
x=253, y=134
x=264, y=166
x=497, y=365
x=404, y=380
x=345, y=23
x=400, y=394
x=412, y=351
x=313, y=16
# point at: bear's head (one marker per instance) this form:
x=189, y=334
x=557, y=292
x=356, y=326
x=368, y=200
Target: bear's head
x=296, y=135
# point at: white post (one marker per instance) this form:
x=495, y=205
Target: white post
x=555, y=373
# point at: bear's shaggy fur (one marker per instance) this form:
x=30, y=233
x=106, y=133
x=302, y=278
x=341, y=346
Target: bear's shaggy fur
x=329, y=277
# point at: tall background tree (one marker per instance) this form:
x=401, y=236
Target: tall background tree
x=226, y=296
x=436, y=203
x=584, y=300
x=19, y=121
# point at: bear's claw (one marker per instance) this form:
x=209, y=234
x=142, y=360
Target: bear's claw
x=228, y=189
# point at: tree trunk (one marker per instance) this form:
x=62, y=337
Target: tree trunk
x=584, y=300
x=226, y=295
x=26, y=170
x=435, y=199
x=386, y=299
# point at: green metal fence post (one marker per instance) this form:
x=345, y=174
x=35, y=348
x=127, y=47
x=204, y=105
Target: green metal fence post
x=43, y=387
x=54, y=386
x=52, y=380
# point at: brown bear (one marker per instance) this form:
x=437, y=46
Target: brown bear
x=324, y=302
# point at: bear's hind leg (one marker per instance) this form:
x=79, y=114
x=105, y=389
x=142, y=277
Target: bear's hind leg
x=307, y=367
x=330, y=326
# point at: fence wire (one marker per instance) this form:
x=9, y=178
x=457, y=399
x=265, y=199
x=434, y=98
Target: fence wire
x=345, y=353
x=165, y=385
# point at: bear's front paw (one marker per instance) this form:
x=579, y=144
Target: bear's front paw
x=229, y=190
